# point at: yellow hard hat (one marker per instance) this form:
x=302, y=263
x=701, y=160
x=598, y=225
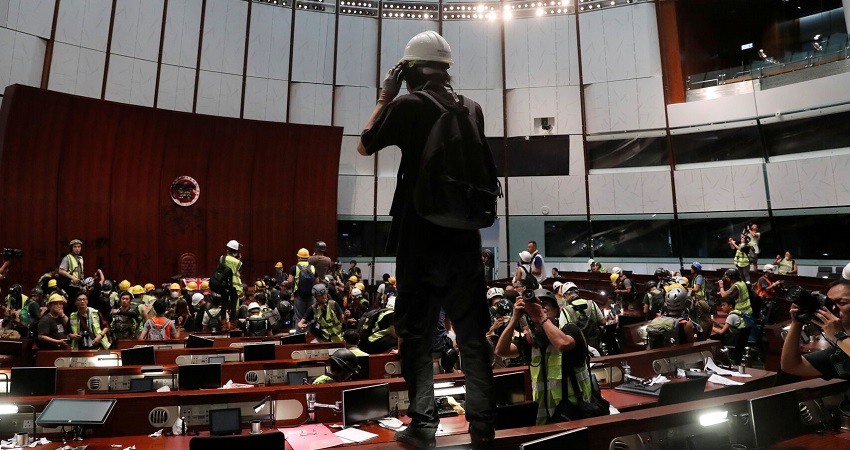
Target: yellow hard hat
x=360, y=286
x=391, y=280
x=303, y=253
x=205, y=285
x=614, y=277
x=137, y=290
x=353, y=279
x=260, y=284
x=51, y=283
x=149, y=287
x=124, y=285
x=174, y=287
x=56, y=298
x=685, y=281
x=191, y=286
x=278, y=265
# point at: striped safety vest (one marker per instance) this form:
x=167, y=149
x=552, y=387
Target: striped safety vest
x=549, y=381
x=94, y=328
x=743, y=302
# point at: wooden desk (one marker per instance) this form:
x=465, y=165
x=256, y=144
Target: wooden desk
x=641, y=361
x=815, y=441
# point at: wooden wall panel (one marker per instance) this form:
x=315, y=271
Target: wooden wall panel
x=101, y=171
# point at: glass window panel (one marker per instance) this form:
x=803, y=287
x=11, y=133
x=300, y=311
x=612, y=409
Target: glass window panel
x=808, y=135
x=709, y=238
x=539, y=155
x=566, y=238
x=633, y=238
x=814, y=236
x=717, y=145
x=637, y=152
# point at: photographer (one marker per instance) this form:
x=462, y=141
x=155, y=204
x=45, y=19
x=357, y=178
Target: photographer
x=830, y=363
x=742, y=259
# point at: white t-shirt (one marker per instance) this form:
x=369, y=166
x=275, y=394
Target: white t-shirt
x=734, y=320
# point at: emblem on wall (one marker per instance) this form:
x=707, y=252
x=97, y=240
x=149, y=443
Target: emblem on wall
x=185, y=191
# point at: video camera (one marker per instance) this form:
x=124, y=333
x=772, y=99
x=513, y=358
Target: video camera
x=529, y=282
x=12, y=253
x=808, y=302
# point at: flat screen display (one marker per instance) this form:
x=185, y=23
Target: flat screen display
x=509, y=388
x=76, y=412
x=225, y=421
x=198, y=342
x=259, y=352
x=574, y=439
x=296, y=377
x=775, y=417
x=364, y=404
x=141, y=384
x=297, y=338
x=138, y=356
x=199, y=376
x=27, y=381
x=216, y=360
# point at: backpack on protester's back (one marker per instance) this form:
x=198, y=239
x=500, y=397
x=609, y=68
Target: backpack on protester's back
x=221, y=281
x=457, y=185
x=159, y=331
x=304, y=280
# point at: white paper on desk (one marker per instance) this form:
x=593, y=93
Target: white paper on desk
x=164, y=388
x=354, y=435
x=310, y=437
x=391, y=423
x=714, y=378
x=710, y=365
x=457, y=390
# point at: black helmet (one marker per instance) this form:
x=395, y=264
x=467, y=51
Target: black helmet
x=285, y=308
x=321, y=246
x=15, y=289
x=650, y=285
x=546, y=295
x=37, y=291
x=107, y=286
x=344, y=360
x=732, y=274
x=504, y=307
x=661, y=273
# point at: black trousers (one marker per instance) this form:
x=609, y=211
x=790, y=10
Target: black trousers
x=427, y=281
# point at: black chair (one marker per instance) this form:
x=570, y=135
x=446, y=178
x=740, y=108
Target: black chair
x=824, y=271
x=274, y=440
x=363, y=374
x=682, y=391
x=518, y=415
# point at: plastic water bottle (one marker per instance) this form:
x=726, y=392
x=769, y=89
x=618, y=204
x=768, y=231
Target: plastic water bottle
x=603, y=349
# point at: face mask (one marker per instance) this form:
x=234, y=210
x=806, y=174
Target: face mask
x=175, y=294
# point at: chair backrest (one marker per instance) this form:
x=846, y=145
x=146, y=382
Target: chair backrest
x=188, y=265
x=270, y=441
x=682, y=391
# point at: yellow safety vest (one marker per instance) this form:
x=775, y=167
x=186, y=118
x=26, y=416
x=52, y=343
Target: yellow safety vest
x=743, y=302
x=94, y=328
x=741, y=260
x=75, y=266
x=786, y=266
x=235, y=265
x=329, y=322
x=552, y=384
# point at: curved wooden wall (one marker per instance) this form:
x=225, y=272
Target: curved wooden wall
x=75, y=167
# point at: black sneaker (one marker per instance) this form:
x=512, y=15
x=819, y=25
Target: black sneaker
x=416, y=437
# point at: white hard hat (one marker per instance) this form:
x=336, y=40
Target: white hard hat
x=567, y=287
x=495, y=292
x=556, y=286
x=590, y=261
x=428, y=46
x=617, y=270
x=356, y=293
x=524, y=256
x=233, y=245
x=253, y=305
x=770, y=268
x=196, y=298
x=846, y=272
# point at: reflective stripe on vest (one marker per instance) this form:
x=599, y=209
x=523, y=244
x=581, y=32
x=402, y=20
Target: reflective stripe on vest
x=94, y=328
x=786, y=266
x=380, y=333
x=742, y=324
x=741, y=260
x=329, y=322
x=743, y=302
x=701, y=291
x=75, y=267
x=234, y=264
x=554, y=382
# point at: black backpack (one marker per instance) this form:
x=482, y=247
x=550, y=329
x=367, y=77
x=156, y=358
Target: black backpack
x=221, y=281
x=214, y=321
x=305, y=280
x=457, y=185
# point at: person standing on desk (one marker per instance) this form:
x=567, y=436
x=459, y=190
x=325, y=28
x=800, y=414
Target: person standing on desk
x=829, y=363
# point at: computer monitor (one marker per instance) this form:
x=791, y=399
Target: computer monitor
x=141, y=384
x=27, y=381
x=518, y=415
x=775, y=417
x=225, y=421
x=297, y=338
x=199, y=376
x=259, y=352
x=76, y=412
x=198, y=342
x=682, y=391
x=509, y=388
x=296, y=377
x=138, y=356
x=576, y=439
x=365, y=403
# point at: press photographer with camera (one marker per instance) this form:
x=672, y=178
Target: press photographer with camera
x=8, y=255
x=742, y=258
x=831, y=314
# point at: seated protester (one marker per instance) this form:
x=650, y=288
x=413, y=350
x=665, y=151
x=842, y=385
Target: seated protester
x=833, y=362
x=53, y=326
x=653, y=301
x=256, y=324
x=15, y=302
x=214, y=316
x=553, y=351
x=357, y=306
x=324, y=318
x=159, y=328
x=125, y=318
x=739, y=293
x=584, y=313
x=377, y=330
x=88, y=327
x=732, y=331
x=352, y=340
x=672, y=328
x=343, y=365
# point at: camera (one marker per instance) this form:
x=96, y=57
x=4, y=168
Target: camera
x=808, y=303
x=13, y=253
x=85, y=337
x=530, y=284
